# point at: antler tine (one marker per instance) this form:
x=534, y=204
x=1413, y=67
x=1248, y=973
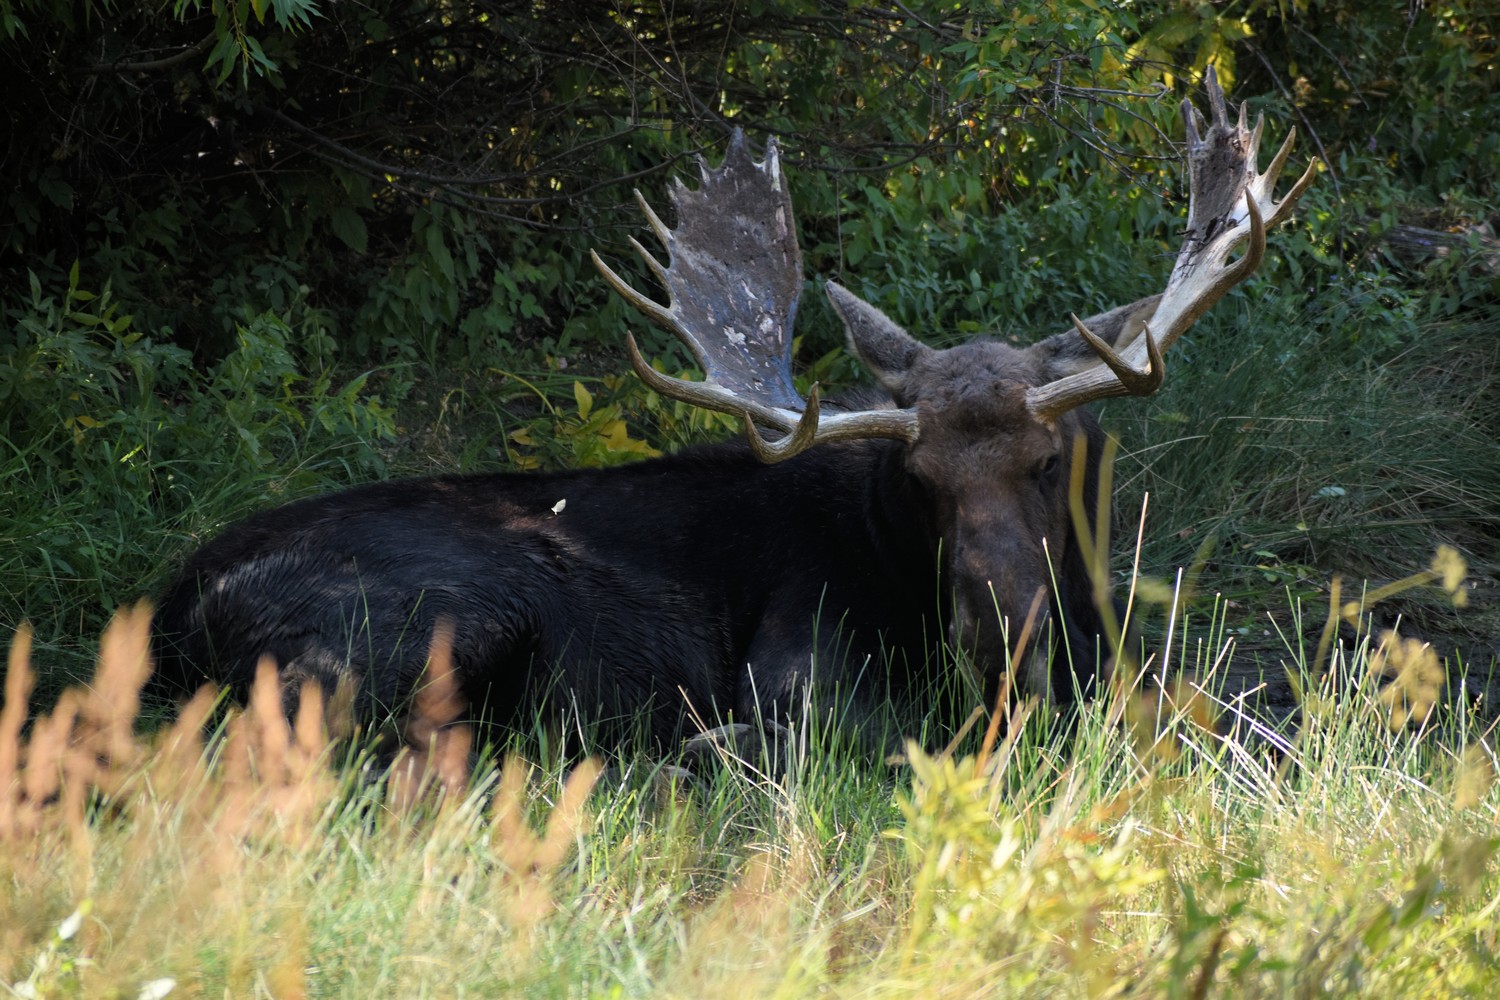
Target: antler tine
x=650, y=260
x=802, y=437
x=653, y=220
x=1139, y=383
x=1230, y=202
x=802, y=430
x=707, y=395
x=1266, y=182
x=1272, y=173
x=1254, y=253
x=1216, y=102
x=658, y=313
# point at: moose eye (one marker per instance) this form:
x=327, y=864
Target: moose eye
x=1048, y=468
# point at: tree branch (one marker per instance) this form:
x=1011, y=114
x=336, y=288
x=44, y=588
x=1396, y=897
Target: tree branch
x=150, y=65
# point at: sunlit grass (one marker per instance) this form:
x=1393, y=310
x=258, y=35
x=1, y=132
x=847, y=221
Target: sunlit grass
x=1168, y=842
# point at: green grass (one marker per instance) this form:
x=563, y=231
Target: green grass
x=1163, y=845
x=1293, y=450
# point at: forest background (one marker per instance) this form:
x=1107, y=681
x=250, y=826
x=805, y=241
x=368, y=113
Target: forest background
x=259, y=249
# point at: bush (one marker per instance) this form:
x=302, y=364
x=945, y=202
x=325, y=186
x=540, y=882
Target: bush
x=118, y=453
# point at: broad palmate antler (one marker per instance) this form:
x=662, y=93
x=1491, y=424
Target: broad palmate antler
x=734, y=272
x=733, y=276
x=1228, y=203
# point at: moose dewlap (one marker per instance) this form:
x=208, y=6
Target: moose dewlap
x=856, y=547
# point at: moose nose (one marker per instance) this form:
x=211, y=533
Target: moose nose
x=988, y=623
x=1008, y=598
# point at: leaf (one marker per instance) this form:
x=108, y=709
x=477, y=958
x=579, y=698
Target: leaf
x=584, y=399
x=265, y=65
x=224, y=56
x=437, y=250
x=350, y=228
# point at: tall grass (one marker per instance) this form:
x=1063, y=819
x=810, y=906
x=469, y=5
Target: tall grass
x=1165, y=844
x=1295, y=450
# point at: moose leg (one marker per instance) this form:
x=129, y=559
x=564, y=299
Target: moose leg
x=764, y=746
x=799, y=664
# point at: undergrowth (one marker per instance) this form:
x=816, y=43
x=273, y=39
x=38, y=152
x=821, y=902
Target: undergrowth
x=1167, y=842
x=1292, y=450
x=117, y=454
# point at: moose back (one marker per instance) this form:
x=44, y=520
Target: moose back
x=863, y=548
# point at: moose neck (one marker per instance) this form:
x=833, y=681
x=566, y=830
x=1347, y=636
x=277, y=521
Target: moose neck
x=902, y=519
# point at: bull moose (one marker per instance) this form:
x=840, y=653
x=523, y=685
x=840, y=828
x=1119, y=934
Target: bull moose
x=855, y=546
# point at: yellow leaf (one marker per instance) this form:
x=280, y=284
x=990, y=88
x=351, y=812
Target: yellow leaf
x=615, y=433
x=1154, y=591
x=1474, y=779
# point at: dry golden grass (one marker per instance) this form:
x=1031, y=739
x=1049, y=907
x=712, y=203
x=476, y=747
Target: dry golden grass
x=176, y=838
x=1154, y=850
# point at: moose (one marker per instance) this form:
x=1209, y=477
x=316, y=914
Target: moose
x=851, y=549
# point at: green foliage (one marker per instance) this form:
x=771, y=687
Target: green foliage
x=118, y=452
x=592, y=435
x=962, y=162
x=1295, y=438
x=952, y=274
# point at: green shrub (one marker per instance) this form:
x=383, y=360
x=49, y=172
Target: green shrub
x=118, y=453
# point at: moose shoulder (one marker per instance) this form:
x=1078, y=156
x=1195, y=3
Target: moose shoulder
x=856, y=545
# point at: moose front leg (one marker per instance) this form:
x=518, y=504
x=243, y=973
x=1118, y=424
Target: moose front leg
x=801, y=673
x=770, y=690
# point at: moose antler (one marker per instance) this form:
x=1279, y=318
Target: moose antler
x=1228, y=203
x=733, y=276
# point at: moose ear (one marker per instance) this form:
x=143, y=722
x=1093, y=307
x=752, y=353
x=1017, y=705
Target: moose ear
x=884, y=348
x=1066, y=353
